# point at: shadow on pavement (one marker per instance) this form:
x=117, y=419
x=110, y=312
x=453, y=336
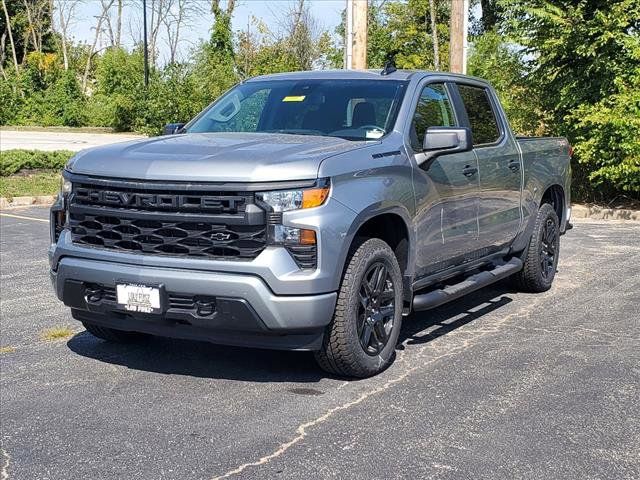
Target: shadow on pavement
x=423, y=327
x=199, y=359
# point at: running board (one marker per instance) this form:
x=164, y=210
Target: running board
x=468, y=285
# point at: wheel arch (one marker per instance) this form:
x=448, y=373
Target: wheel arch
x=555, y=196
x=393, y=226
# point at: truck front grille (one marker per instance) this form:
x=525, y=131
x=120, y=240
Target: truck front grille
x=225, y=225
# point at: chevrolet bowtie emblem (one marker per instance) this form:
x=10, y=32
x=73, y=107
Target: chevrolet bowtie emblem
x=220, y=236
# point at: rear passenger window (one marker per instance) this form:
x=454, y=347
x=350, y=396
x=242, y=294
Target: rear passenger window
x=484, y=126
x=433, y=110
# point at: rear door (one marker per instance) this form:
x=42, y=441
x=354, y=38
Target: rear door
x=500, y=164
x=446, y=191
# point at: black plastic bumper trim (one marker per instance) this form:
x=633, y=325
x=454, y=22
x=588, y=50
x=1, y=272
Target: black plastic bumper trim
x=300, y=341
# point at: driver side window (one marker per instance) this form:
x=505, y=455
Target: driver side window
x=433, y=110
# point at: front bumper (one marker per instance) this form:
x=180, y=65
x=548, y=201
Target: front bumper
x=247, y=311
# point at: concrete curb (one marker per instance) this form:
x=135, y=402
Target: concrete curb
x=27, y=201
x=599, y=213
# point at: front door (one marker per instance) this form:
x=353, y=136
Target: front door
x=446, y=190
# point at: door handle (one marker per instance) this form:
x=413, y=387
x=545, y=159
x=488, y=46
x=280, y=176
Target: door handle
x=514, y=165
x=469, y=171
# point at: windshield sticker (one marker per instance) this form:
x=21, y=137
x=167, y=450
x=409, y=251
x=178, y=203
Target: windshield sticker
x=374, y=133
x=294, y=98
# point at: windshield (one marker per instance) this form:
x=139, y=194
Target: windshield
x=351, y=109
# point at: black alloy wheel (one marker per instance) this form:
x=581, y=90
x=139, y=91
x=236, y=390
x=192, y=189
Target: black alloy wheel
x=377, y=309
x=540, y=258
x=548, y=249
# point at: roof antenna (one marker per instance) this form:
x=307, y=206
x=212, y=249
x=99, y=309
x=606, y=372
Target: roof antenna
x=390, y=63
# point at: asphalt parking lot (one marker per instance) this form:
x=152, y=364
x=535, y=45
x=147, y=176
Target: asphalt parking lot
x=501, y=385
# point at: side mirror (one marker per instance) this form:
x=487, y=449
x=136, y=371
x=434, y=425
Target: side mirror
x=172, y=128
x=443, y=141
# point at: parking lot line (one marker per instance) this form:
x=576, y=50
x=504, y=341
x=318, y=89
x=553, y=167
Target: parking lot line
x=22, y=217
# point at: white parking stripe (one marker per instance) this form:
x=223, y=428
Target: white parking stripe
x=24, y=218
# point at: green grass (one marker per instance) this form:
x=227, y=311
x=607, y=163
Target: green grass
x=56, y=333
x=29, y=183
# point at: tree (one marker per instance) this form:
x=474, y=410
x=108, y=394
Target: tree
x=503, y=64
x=92, y=49
x=585, y=57
x=66, y=11
x=491, y=15
x=7, y=32
x=180, y=14
x=434, y=33
x=417, y=30
x=27, y=26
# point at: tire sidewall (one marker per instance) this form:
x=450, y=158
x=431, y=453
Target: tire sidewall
x=546, y=213
x=375, y=250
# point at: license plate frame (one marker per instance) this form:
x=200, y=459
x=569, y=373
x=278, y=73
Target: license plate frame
x=139, y=298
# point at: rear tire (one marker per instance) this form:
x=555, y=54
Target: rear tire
x=112, y=335
x=540, y=259
x=361, y=339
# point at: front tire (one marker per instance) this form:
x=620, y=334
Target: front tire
x=360, y=341
x=540, y=259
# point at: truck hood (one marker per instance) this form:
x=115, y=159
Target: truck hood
x=215, y=157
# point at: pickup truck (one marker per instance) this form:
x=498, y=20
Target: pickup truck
x=310, y=211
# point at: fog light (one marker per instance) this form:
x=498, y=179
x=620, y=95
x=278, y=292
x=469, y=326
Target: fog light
x=282, y=234
x=307, y=237
x=204, y=308
x=93, y=294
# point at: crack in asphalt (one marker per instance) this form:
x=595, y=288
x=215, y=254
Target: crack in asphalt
x=303, y=429
x=4, y=474
x=474, y=336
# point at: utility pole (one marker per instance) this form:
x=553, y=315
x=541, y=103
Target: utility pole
x=360, y=21
x=356, y=35
x=348, y=37
x=458, y=39
x=146, y=46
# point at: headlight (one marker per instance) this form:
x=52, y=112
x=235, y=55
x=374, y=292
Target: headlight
x=65, y=187
x=59, y=211
x=301, y=242
x=286, y=200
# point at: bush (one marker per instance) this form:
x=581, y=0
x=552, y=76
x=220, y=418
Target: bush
x=10, y=100
x=12, y=161
x=606, y=143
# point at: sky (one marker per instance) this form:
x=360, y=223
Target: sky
x=326, y=12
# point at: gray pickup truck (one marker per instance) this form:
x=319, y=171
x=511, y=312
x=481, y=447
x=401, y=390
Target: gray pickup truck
x=310, y=211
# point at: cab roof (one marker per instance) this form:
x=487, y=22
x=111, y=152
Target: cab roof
x=338, y=75
x=402, y=75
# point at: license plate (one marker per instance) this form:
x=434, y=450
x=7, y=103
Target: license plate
x=138, y=298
